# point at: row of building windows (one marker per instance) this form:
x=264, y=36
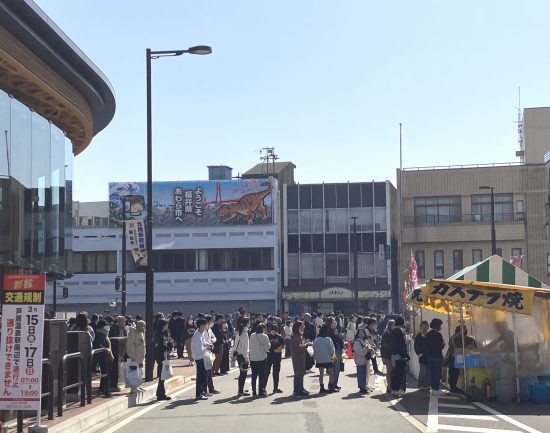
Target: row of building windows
x=335, y=243
x=458, y=260
x=341, y=195
x=336, y=220
x=234, y=259
x=448, y=209
x=313, y=266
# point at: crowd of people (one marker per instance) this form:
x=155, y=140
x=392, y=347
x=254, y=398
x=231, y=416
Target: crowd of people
x=257, y=343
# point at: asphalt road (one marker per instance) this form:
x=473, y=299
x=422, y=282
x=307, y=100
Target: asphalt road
x=343, y=411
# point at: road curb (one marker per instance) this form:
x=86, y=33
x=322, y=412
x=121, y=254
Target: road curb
x=88, y=419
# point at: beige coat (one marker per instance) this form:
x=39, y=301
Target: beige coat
x=135, y=344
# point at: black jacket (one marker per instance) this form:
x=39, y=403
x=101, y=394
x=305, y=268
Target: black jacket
x=309, y=332
x=218, y=333
x=385, y=346
x=397, y=344
x=433, y=344
x=420, y=347
x=163, y=347
x=178, y=330
x=336, y=340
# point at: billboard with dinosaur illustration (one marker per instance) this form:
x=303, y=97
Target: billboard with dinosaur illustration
x=196, y=203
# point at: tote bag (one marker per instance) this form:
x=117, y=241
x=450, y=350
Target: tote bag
x=132, y=374
x=166, y=372
x=208, y=361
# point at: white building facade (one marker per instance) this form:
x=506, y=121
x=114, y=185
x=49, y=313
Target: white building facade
x=232, y=262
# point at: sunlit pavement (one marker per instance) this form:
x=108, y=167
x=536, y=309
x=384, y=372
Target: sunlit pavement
x=343, y=411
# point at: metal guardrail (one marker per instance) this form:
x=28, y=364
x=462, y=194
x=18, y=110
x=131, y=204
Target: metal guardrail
x=61, y=387
x=448, y=167
x=92, y=376
x=48, y=394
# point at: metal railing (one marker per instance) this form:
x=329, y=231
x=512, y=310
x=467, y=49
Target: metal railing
x=48, y=393
x=462, y=219
x=61, y=387
x=92, y=376
x=449, y=167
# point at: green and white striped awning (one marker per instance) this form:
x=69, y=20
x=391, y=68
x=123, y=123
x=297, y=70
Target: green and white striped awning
x=497, y=270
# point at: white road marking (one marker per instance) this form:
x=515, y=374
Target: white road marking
x=507, y=418
x=456, y=406
x=144, y=411
x=473, y=417
x=455, y=428
x=431, y=426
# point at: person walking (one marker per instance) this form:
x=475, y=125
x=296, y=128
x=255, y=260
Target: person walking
x=385, y=352
x=338, y=343
x=241, y=353
x=323, y=351
x=419, y=349
x=287, y=333
x=163, y=347
x=199, y=350
x=259, y=346
x=361, y=353
x=298, y=355
x=399, y=357
x=189, y=331
x=433, y=347
x=274, y=356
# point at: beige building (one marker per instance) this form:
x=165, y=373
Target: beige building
x=446, y=217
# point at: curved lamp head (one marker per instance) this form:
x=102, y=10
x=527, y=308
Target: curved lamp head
x=200, y=50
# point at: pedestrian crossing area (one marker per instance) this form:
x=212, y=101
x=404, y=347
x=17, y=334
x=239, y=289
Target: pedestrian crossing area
x=450, y=413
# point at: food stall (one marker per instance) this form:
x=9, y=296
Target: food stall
x=507, y=313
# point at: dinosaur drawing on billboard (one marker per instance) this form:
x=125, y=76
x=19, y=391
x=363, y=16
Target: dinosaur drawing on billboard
x=246, y=206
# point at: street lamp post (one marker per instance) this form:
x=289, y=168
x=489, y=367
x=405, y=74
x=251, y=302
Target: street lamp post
x=149, y=289
x=493, y=231
x=123, y=263
x=355, y=270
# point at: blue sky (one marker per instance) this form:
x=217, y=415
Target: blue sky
x=326, y=83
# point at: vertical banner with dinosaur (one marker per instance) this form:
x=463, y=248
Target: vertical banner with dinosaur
x=198, y=203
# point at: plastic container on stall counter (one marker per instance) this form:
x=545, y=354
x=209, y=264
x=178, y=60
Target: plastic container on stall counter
x=504, y=390
x=525, y=384
x=540, y=393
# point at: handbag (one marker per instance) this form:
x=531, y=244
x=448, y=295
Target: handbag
x=166, y=371
x=132, y=374
x=208, y=365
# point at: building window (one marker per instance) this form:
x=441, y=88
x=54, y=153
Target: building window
x=516, y=252
x=477, y=256
x=305, y=196
x=437, y=210
x=481, y=207
x=337, y=265
x=458, y=262
x=292, y=196
x=293, y=244
x=439, y=264
x=420, y=263
x=519, y=206
x=292, y=221
x=499, y=252
x=94, y=262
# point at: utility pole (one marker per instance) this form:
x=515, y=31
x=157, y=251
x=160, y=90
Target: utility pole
x=123, y=265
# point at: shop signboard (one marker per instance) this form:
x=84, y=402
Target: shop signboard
x=487, y=295
x=336, y=293
x=374, y=294
x=198, y=203
x=21, y=341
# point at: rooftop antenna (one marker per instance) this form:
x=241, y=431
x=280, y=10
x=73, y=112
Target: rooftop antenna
x=268, y=160
x=521, y=152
